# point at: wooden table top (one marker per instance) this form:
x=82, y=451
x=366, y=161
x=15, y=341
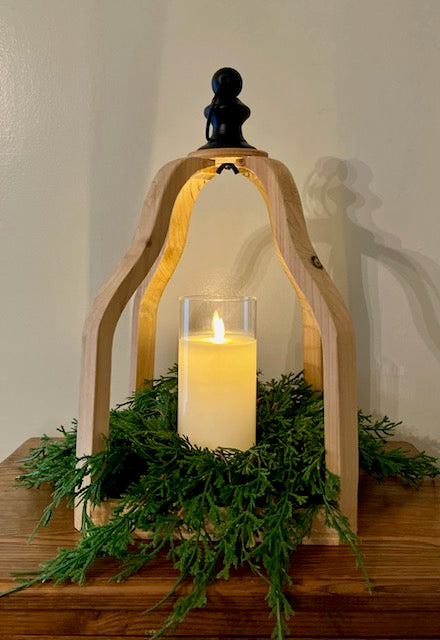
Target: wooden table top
x=399, y=526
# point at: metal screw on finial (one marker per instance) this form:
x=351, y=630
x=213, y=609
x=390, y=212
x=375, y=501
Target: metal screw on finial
x=226, y=113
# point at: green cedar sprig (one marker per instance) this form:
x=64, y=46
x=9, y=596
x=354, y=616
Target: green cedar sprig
x=211, y=510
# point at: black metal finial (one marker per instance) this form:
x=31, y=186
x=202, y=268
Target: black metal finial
x=226, y=113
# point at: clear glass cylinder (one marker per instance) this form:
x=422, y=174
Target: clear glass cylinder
x=217, y=371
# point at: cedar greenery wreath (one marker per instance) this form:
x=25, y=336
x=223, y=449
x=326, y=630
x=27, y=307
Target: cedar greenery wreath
x=211, y=510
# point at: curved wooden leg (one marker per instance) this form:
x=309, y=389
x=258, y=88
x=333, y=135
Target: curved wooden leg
x=327, y=320
x=147, y=303
x=312, y=345
x=113, y=297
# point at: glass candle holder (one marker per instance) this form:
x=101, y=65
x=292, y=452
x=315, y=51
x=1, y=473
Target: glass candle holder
x=217, y=371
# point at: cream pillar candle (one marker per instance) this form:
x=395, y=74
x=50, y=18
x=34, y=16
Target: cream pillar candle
x=217, y=372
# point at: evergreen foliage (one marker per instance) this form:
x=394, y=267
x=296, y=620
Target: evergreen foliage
x=211, y=510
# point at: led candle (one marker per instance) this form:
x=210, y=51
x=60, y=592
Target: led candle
x=217, y=372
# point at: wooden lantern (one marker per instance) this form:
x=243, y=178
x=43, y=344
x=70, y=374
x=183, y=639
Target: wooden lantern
x=329, y=342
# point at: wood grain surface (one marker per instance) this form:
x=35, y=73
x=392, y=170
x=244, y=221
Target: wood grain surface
x=400, y=528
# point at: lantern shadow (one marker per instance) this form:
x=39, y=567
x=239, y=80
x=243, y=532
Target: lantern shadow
x=249, y=269
x=339, y=198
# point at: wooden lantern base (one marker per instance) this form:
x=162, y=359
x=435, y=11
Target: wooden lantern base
x=320, y=533
x=329, y=345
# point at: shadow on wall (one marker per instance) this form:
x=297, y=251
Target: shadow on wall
x=250, y=267
x=339, y=197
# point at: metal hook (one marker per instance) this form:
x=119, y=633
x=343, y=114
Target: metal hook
x=228, y=165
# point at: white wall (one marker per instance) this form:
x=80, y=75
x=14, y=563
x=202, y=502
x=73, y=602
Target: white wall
x=98, y=94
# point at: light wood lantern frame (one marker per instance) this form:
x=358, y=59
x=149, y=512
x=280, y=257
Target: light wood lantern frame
x=329, y=341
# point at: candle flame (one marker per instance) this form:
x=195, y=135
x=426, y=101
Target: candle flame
x=218, y=327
